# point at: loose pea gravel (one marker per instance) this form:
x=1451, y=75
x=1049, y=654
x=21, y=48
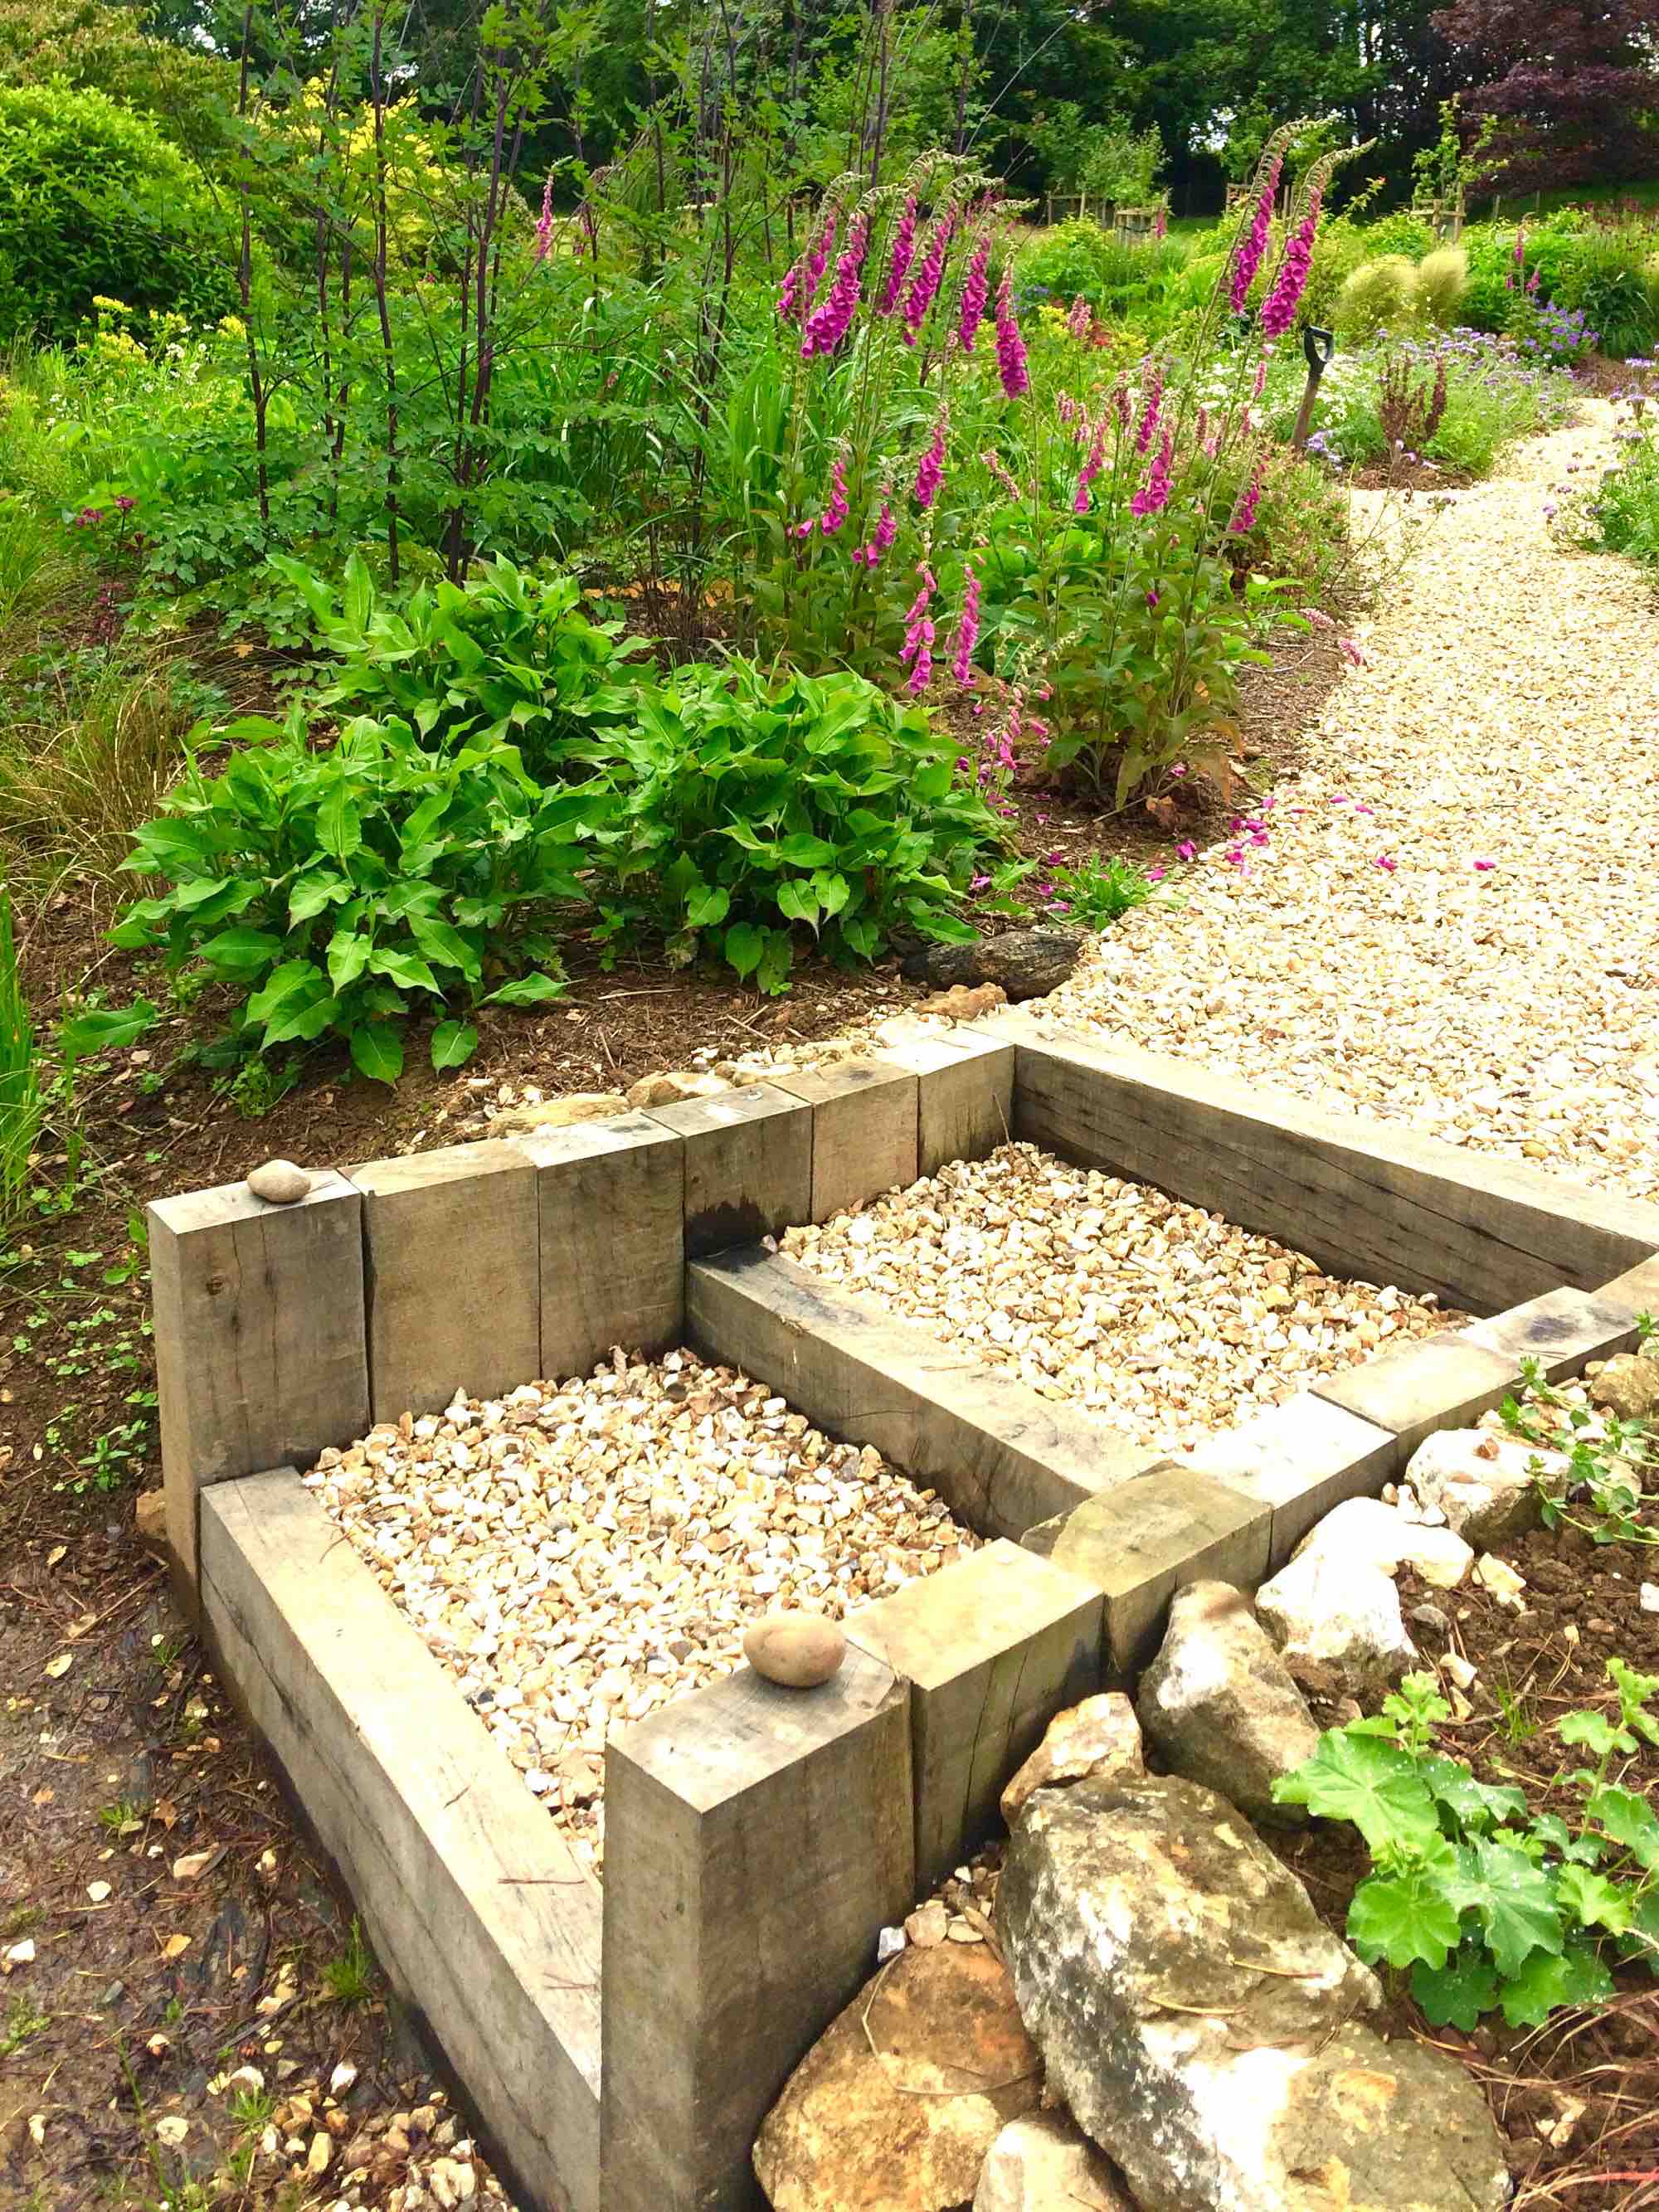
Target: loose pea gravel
x=575, y=1554
x=1507, y=713
x=1161, y=1318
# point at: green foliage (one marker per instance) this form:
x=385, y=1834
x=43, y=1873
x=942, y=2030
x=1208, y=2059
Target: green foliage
x=1600, y=1489
x=1095, y=895
x=1379, y=295
x=1082, y=259
x=1487, y=1907
x=338, y=892
x=507, y=656
x=1441, y=277
x=94, y=203
x=22, y=1100
x=751, y=804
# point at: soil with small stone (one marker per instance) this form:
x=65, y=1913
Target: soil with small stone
x=1579, y=2098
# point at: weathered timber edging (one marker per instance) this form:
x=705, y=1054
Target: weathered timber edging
x=756, y=1839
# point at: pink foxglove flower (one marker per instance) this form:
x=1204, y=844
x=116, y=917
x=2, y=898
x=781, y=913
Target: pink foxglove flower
x=975, y=288
x=826, y=327
x=544, y=225
x=1247, y=259
x=1081, y=320
x=918, y=653
x=1261, y=384
x=1242, y=520
x=1090, y=469
x=835, y=512
x=929, y=470
x=1152, y=406
x=899, y=266
x=925, y=284
x=1279, y=310
x=1161, y=226
x=818, y=258
x=961, y=665
x=881, y=538
x=1010, y=346
x=1154, y=495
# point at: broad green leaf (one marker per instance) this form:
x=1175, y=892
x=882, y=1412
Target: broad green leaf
x=1372, y=1783
x=1595, y=1732
x=103, y=1030
x=298, y=980
x=1514, y=1900
x=1475, y=1805
x=931, y=783
x=311, y=893
x=1552, y=1832
x=801, y=850
x=443, y=944
x=377, y=1052
x=168, y=846
x=1594, y=1900
x=339, y=824
x=406, y=969
x=1575, y=1976
x=707, y=905
x=797, y=904
x=529, y=991
x=1457, y=1994
x=240, y=951
x=453, y=1044
x=833, y=891
x=1404, y=1917
x=744, y=945
x=1630, y=1820
x=348, y=957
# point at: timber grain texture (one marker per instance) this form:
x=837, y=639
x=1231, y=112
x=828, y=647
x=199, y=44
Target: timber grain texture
x=757, y=1841
x=260, y=1355
x=1365, y=1200
x=998, y=1454
x=610, y=1214
x=477, y=1911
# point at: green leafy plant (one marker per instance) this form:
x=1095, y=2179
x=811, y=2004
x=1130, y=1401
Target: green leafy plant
x=1600, y=1491
x=348, y=1976
x=1096, y=894
x=1490, y=1907
x=506, y=655
x=337, y=892
x=22, y=1098
x=751, y=806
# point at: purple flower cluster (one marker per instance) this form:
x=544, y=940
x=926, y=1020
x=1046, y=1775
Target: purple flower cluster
x=1152, y=405
x=1254, y=244
x=837, y=512
x=1278, y=312
x=961, y=665
x=898, y=266
x=1242, y=519
x=929, y=470
x=926, y=282
x=974, y=290
x=826, y=327
x=918, y=653
x=1153, y=496
x=545, y=222
x=1010, y=346
x=869, y=555
x=1090, y=469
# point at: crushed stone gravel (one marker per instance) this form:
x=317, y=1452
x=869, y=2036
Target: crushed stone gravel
x=1162, y=1319
x=576, y=1553
x=1450, y=917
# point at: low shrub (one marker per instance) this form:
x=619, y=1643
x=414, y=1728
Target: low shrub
x=1379, y=295
x=95, y=201
x=750, y=804
x=1619, y=513
x=1081, y=259
x=1492, y=394
x=337, y=892
x=1438, y=286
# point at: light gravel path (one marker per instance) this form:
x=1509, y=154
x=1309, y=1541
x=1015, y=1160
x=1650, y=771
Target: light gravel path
x=1507, y=711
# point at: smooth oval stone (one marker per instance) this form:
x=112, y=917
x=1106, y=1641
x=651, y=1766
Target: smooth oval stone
x=279, y=1183
x=798, y=1650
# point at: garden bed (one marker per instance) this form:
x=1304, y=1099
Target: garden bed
x=576, y=1555
x=1578, y=2098
x=1163, y=1318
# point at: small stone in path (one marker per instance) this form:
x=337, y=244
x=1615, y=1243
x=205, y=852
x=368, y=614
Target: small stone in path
x=150, y=1516
x=1627, y=1386
x=279, y=1183
x=965, y=1002
x=929, y=1923
x=1650, y=1597
x=1042, y=2163
x=798, y=1650
x=558, y=1113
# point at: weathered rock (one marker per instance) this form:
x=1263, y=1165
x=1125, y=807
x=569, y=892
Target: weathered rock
x=279, y=1183
x=1197, y=2018
x=557, y=1113
x=798, y=1650
x=1364, y=1531
x=896, y=2106
x=1483, y=1484
x=669, y=1089
x=150, y=1516
x=1028, y=963
x=1043, y=2163
x=1337, y=1624
x=1627, y=1386
x=1088, y=1742
x=964, y=1002
x=1219, y=1703
x=929, y=1923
